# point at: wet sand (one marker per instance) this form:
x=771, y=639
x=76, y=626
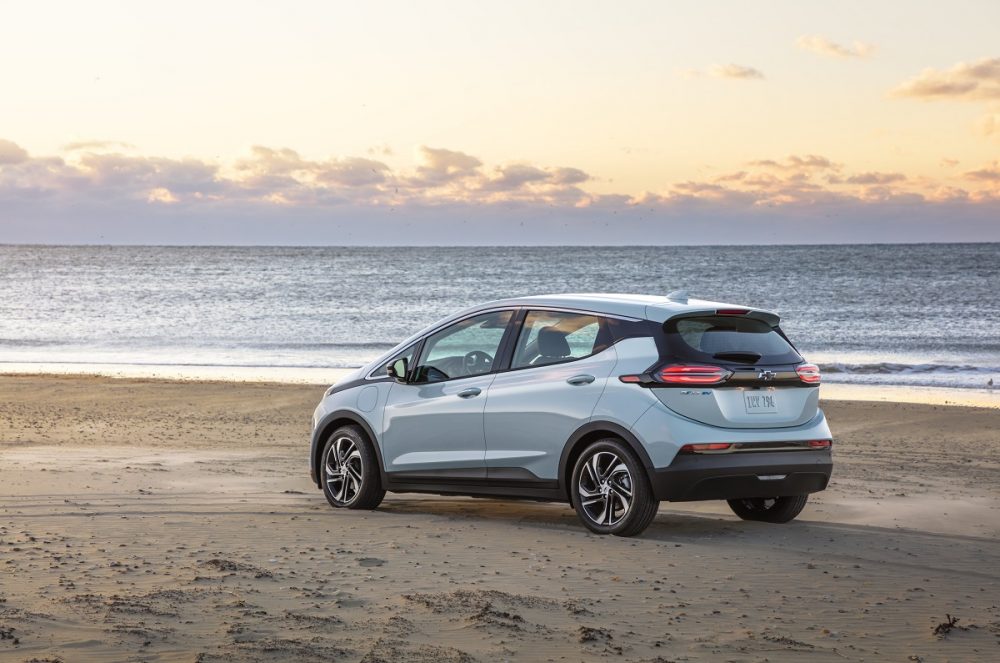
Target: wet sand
x=166, y=521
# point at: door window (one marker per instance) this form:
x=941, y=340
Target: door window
x=551, y=337
x=468, y=347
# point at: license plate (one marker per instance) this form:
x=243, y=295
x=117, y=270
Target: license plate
x=760, y=401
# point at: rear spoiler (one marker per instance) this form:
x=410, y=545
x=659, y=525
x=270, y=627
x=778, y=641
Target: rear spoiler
x=697, y=308
x=735, y=311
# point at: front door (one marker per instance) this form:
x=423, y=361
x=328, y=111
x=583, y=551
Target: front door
x=432, y=427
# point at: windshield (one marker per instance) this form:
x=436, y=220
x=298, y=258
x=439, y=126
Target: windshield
x=731, y=339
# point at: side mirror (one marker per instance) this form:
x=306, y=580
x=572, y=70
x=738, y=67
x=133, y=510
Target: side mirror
x=398, y=369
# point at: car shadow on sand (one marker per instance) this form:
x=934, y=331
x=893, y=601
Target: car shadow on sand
x=669, y=526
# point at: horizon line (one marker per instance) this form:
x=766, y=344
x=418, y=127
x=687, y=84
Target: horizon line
x=473, y=246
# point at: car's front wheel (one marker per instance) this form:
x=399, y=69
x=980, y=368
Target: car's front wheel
x=351, y=479
x=769, y=509
x=610, y=490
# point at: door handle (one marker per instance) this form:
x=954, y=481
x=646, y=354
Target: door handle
x=470, y=392
x=580, y=379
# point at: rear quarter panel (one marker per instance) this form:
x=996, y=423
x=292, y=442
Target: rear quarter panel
x=623, y=403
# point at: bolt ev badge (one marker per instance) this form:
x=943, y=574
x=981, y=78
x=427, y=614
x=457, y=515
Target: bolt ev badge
x=766, y=376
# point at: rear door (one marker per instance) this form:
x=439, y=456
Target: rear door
x=763, y=389
x=559, y=366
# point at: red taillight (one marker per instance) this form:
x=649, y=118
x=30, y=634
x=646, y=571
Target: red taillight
x=632, y=379
x=820, y=444
x=692, y=374
x=731, y=311
x=706, y=447
x=808, y=373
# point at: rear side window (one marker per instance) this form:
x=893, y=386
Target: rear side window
x=553, y=337
x=728, y=339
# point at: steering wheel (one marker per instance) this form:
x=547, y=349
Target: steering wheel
x=477, y=362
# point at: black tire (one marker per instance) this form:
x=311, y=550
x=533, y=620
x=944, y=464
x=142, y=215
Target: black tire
x=359, y=484
x=609, y=484
x=769, y=509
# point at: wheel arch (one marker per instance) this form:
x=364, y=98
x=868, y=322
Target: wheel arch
x=591, y=432
x=331, y=422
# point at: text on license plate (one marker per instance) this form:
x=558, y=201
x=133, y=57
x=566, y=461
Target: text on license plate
x=760, y=401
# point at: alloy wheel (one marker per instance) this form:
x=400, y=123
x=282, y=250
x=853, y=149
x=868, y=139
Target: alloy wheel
x=605, y=487
x=344, y=470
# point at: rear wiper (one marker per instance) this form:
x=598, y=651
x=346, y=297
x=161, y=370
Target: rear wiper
x=740, y=356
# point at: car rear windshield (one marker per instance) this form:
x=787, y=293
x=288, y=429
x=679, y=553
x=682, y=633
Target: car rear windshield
x=728, y=339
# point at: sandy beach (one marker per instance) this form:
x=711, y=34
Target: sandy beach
x=145, y=520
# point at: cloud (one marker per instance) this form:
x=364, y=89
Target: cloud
x=283, y=169
x=732, y=177
x=822, y=46
x=795, y=162
x=515, y=176
x=529, y=183
x=440, y=166
x=990, y=173
x=569, y=176
x=450, y=194
x=989, y=124
x=817, y=181
x=353, y=172
x=876, y=178
x=144, y=174
x=11, y=152
x=161, y=195
x=282, y=176
x=97, y=145
x=269, y=161
x=735, y=71
x=976, y=81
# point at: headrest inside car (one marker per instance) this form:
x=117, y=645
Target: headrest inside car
x=552, y=343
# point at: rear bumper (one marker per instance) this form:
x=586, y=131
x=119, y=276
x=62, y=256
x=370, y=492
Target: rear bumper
x=693, y=477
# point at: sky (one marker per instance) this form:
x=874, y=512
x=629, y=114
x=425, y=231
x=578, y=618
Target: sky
x=499, y=123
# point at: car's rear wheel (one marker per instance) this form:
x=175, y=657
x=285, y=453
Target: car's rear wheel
x=769, y=509
x=610, y=490
x=351, y=478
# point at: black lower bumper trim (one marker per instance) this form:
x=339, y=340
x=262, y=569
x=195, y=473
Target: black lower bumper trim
x=728, y=476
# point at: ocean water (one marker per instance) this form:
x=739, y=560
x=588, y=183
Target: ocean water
x=879, y=314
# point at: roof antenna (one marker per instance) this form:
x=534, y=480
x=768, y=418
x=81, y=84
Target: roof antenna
x=679, y=296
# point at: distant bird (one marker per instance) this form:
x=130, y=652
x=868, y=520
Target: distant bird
x=989, y=383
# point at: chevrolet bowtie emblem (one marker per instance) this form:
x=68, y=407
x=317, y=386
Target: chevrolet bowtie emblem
x=766, y=376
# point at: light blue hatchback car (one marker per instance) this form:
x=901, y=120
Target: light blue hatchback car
x=610, y=402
